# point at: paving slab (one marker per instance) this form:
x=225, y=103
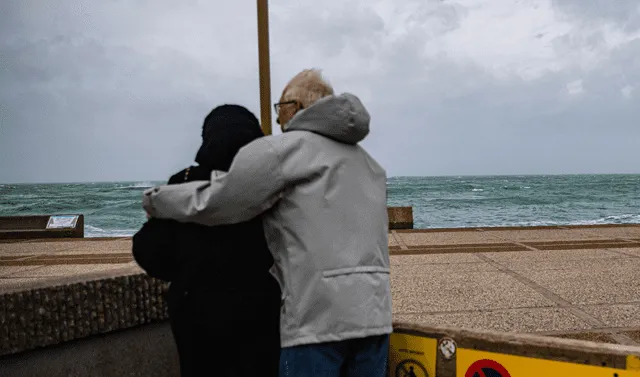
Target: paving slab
x=563, y=265
x=510, y=320
x=447, y=238
x=86, y=250
x=462, y=291
x=392, y=241
x=43, y=247
x=551, y=255
x=15, y=283
x=64, y=270
x=620, y=232
x=597, y=337
x=628, y=251
x=116, y=246
x=624, y=315
x=464, y=288
x=406, y=270
x=616, y=281
x=635, y=335
x=8, y=271
x=20, y=284
x=27, y=248
x=534, y=235
x=434, y=258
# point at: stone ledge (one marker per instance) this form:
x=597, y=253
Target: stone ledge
x=532, y=346
x=52, y=315
x=537, y=227
x=35, y=226
x=400, y=217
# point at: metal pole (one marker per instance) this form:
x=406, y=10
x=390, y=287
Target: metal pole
x=263, y=66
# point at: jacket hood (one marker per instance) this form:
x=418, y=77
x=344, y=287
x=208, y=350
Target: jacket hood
x=342, y=118
x=225, y=131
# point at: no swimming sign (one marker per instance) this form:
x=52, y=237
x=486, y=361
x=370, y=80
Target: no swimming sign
x=473, y=363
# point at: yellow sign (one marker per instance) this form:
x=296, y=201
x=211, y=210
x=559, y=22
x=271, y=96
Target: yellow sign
x=412, y=356
x=472, y=363
x=633, y=363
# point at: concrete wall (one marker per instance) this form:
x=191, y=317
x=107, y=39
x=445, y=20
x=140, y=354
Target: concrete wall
x=32, y=227
x=147, y=350
x=400, y=217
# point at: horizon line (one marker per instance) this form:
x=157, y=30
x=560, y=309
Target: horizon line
x=390, y=177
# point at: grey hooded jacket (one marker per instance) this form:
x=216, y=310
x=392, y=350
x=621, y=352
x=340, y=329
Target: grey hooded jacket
x=323, y=200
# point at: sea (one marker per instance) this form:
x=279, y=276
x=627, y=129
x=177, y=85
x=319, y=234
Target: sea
x=113, y=209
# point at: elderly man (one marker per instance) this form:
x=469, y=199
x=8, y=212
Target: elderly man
x=323, y=200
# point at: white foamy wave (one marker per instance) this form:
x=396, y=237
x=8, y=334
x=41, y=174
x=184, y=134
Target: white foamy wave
x=618, y=219
x=477, y=190
x=629, y=216
x=139, y=185
x=529, y=223
x=144, y=184
x=93, y=232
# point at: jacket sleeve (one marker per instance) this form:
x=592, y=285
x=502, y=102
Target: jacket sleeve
x=154, y=249
x=253, y=184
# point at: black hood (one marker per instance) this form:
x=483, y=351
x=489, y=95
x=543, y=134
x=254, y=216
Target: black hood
x=226, y=129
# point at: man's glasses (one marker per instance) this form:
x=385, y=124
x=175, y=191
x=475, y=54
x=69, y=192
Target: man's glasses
x=276, y=106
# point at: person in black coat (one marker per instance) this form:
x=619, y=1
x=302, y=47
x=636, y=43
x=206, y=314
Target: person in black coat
x=223, y=303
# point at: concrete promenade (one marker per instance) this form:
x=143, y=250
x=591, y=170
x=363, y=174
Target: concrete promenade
x=573, y=282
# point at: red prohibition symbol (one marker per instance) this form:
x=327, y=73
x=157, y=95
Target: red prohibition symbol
x=486, y=368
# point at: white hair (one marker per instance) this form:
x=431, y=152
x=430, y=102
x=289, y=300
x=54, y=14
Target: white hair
x=307, y=87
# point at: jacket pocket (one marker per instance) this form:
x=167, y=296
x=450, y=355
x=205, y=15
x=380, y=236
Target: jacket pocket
x=352, y=300
x=355, y=270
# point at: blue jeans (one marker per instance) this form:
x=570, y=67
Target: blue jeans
x=364, y=357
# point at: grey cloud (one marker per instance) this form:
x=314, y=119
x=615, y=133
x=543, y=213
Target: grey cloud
x=436, y=17
x=94, y=92
x=80, y=108
x=625, y=14
x=464, y=120
x=348, y=25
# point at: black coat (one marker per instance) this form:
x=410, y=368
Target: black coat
x=197, y=257
x=221, y=295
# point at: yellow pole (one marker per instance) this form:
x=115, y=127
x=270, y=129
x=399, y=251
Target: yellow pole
x=263, y=66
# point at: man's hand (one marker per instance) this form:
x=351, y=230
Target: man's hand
x=146, y=199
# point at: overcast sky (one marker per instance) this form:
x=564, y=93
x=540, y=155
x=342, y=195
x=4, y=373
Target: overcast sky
x=117, y=90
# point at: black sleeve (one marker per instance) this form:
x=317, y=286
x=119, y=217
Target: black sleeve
x=155, y=245
x=155, y=248
x=179, y=177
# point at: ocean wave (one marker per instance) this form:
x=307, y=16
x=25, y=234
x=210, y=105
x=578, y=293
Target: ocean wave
x=26, y=196
x=615, y=219
x=93, y=232
x=139, y=185
x=112, y=209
